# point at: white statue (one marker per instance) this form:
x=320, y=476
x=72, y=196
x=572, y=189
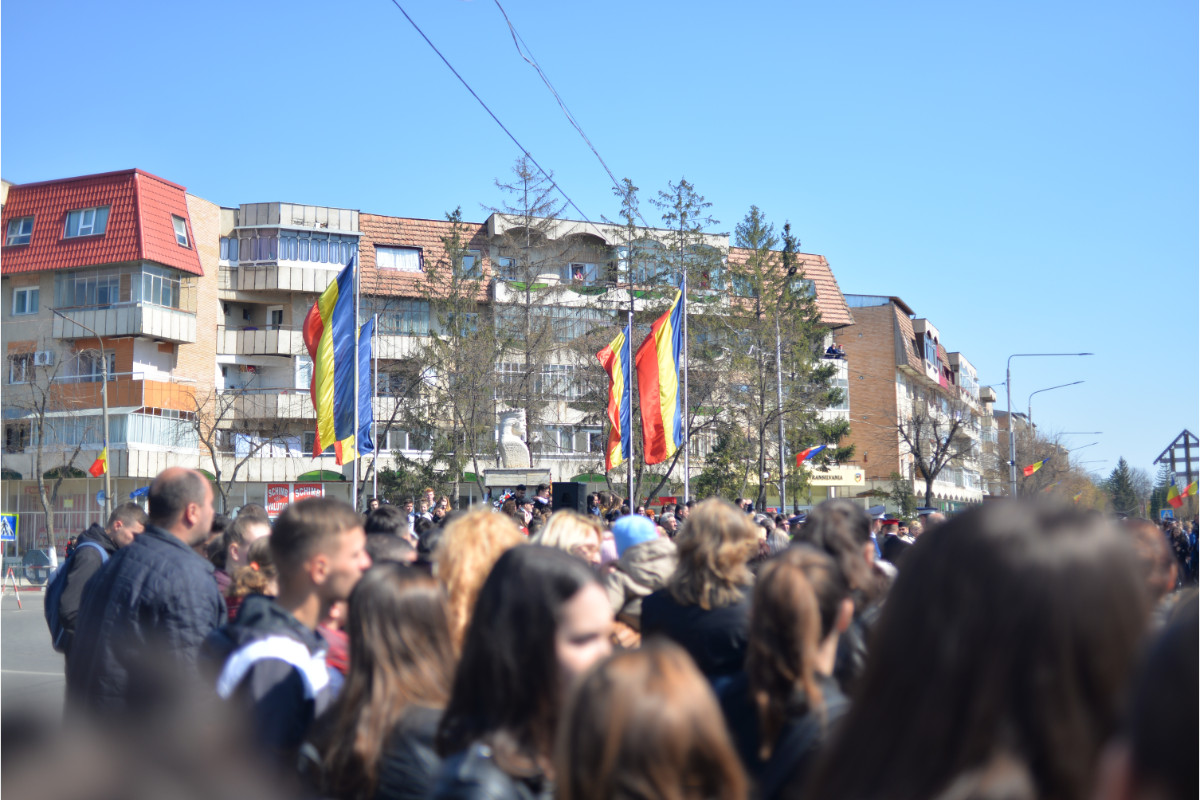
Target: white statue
x=514, y=453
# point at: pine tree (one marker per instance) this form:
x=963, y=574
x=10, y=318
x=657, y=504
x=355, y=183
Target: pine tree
x=1120, y=489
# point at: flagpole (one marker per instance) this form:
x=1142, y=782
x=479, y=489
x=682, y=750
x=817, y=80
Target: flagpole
x=374, y=416
x=687, y=437
x=629, y=387
x=357, y=451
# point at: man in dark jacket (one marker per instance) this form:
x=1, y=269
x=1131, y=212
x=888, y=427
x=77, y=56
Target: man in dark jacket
x=146, y=612
x=272, y=660
x=125, y=522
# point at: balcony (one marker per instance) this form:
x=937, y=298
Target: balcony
x=273, y=403
x=126, y=319
x=124, y=389
x=310, y=278
x=250, y=341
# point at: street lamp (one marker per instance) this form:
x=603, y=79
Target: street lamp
x=103, y=408
x=1029, y=402
x=1012, y=438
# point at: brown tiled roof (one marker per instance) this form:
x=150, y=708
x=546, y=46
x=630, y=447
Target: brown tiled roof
x=139, y=223
x=912, y=356
x=425, y=234
x=830, y=301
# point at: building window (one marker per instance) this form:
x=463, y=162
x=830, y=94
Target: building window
x=404, y=259
x=16, y=437
x=586, y=274
x=87, y=222
x=180, y=226
x=471, y=265
x=274, y=318
x=20, y=368
x=403, y=317
x=160, y=287
x=19, y=231
x=506, y=269
x=229, y=248
x=25, y=301
x=802, y=287
x=931, y=350
x=92, y=368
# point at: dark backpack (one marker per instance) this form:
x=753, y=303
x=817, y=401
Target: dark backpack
x=55, y=589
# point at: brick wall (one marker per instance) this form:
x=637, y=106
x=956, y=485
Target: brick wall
x=870, y=353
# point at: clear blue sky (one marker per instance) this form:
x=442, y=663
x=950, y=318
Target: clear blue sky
x=1024, y=174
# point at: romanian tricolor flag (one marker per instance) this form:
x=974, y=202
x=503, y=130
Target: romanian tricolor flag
x=100, y=465
x=805, y=455
x=659, y=393
x=1075, y=498
x=1174, y=496
x=329, y=335
x=615, y=359
x=1034, y=467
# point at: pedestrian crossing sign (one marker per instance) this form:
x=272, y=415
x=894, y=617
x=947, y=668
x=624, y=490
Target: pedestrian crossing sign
x=8, y=527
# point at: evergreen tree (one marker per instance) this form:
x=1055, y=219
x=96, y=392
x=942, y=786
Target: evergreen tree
x=1120, y=489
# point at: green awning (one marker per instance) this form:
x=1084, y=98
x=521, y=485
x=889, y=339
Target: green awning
x=590, y=477
x=322, y=475
x=10, y=474
x=67, y=472
x=208, y=475
x=469, y=476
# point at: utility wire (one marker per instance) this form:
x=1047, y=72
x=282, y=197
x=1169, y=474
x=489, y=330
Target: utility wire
x=492, y=114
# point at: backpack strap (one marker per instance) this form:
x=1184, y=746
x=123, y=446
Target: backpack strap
x=101, y=550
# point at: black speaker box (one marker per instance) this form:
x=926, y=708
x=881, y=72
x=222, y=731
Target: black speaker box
x=569, y=495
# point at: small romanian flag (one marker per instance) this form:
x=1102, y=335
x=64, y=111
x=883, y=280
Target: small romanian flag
x=805, y=455
x=100, y=465
x=1034, y=467
x=1076, y=497
x=1174, y=496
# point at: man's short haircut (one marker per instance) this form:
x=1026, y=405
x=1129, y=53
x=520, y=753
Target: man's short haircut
x=171, y=495
x=679, y=509
x=306, y=527
x=127, y=514
x=236, y=533
x=542, y=487
x=667, y=517
x=386, y=519
x=254, y=511
x=383, y=547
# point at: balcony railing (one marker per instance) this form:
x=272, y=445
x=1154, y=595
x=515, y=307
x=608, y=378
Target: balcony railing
x=310, y=278
x=124, y=389
x=270, y=340
x=126, y=319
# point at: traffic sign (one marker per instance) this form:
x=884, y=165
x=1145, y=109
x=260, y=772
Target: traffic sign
x=9, y=525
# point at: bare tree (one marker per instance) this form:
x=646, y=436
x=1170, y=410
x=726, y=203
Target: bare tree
x=933, y=432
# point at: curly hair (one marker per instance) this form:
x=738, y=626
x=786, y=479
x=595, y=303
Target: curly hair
x=469, y=548
x=714, y=545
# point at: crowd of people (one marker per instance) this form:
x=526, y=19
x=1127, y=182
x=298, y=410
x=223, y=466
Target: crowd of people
x=1015, y=650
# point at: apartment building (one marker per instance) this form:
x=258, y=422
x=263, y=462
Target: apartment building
x=902, y=377
x=195, y=311
x=103, y=275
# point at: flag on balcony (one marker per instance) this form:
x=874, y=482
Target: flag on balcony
x=1075, y=498
x=366, y=409
x=100, y=465
x=329, y=335
x=658, y=361
x=805, y=455
x=615, y=359
x=1034, y=467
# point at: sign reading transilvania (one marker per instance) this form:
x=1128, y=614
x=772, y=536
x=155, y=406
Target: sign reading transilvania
x=836, y=476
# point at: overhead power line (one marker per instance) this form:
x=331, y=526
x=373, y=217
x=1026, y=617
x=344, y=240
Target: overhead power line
x=492, y=114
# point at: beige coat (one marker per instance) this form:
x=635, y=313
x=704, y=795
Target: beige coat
x=644, y=568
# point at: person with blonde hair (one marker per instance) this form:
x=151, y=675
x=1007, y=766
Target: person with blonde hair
x=573, y=532
x=470, y=547
x=705, y=606
x=645, y=724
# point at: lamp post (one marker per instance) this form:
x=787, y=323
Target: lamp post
x=1029, y=402
x=1012, y=432
x=103, y=409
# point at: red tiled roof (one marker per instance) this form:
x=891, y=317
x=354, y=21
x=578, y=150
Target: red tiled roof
x=139, y=223
x=830, y=300
x=426, y=234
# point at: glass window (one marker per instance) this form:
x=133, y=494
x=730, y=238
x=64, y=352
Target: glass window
x=20, y=368
x=19, y=231
x=302, y=250
x=181, y=235
x=87, y=222
x=472, y=265
x=404, y=259
x=25, y=300
x=506, y=268
x=403, y=317
x=581, y=273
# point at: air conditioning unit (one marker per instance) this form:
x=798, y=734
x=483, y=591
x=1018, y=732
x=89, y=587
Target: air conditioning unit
x=43, y=358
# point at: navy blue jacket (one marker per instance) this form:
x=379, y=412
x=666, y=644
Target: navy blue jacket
x=82, y=565
x=142, y=620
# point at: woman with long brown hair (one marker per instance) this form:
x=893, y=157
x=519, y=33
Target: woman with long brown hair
x=380, y=741
x=705, y=606
x=644, y=724
x=1000, y=662
x=780, y=709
